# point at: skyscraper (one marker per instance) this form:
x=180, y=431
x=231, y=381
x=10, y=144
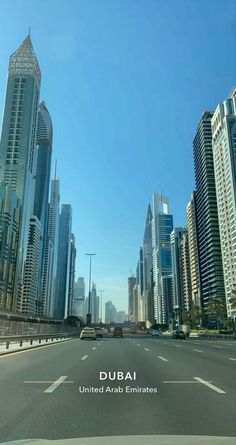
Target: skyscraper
x=193, y=251
x=79, y=297
x=162, y=226
x=49, y=280
x=208, y=236
x=63, y=270
x=224, y=154
x=148, y=270
x=40, y=210
x=9, y=229
x=131, y=284
x=72, y=275
x=17, y=146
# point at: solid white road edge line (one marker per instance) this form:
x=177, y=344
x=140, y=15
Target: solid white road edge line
x=209, y=385
x=55, y=384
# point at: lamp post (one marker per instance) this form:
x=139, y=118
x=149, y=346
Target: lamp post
x=101, y=291
x=89, y=315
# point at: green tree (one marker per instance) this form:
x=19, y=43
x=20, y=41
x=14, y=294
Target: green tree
x=216, y=307
x=186, y=316
x=195, y=316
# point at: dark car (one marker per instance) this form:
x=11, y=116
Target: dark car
x=179, y=334
x=118, y=332
x=99, y=331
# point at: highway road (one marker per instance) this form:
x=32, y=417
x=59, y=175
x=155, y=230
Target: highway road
x=188, y=387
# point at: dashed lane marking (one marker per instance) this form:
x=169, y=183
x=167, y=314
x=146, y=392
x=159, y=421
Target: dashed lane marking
x=219, y=347
x=209, y=385
x=55, y=384
x=146, y=349
x=197, y=350
x=234, y=359
x=94, y=348
x=84, y=357
x=162, y=358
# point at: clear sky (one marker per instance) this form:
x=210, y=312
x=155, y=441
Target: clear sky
x=126, y=82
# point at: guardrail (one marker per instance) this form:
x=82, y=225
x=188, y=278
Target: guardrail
x=30, y=338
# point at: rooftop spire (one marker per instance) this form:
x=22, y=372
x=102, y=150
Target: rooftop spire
x=24, y=61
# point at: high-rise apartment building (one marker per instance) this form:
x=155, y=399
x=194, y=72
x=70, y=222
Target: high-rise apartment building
x=182, y=295
x=193, y=252
x=17, y=147
x=63, y=270
x=208, y=236
x=224, y=153
x=162, y=226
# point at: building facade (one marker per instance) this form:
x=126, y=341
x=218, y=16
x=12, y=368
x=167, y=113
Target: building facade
x=208, y=236
x=224, y=154
x=193, y=251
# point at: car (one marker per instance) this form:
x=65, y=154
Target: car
x=99, y=331
x=118, y=332
x=88, y=332
x=154, y=333
x=179, y=334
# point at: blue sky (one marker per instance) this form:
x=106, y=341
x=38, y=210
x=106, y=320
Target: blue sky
x=126, y=82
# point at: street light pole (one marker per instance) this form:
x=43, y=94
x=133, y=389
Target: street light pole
x=101, y=291
x=89, y=315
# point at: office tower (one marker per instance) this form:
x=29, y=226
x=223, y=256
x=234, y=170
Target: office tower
x=139, y=282
x=63, y=270
x=110, y=312
x=79, y=297
x=39, y=210
x=148, y=296
x=224, y=154
x=72, y=275
x=162, y=226
x=94, y=304
x=193, y=251
x=121, y=316
x=49, y=280
x=9, y=225
x=182, y=295
x=209, y=249
x=17, y=147
x=131, y=284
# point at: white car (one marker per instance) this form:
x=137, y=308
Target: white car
x=88, y=333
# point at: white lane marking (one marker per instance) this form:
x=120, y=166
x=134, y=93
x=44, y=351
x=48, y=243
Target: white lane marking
x=220, y=347
x=55, y=384
x=209, y=385
x=94, y=348
x=46, y=381
x=179, y=381
x=146, y=349
x=138, y=344
x=234, y=359
x=99, y=344
x=178, y=346
x=84, y=357
x=197, y=350
x=162, y=358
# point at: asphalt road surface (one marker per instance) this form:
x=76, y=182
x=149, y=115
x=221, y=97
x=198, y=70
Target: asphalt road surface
x=41, y=390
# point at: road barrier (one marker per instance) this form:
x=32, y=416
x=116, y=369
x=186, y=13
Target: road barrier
x=7, y=340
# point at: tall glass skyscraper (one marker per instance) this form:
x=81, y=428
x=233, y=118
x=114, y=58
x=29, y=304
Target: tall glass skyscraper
x=148, y=269
x=224, y=153
x=162, y=226
x=17, y=147
x=209, y=248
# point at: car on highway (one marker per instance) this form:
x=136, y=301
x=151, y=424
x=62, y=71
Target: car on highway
x=99, y=331
x=118, y=332
x=154, y=333
x=179, y=335
x=88, y=332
